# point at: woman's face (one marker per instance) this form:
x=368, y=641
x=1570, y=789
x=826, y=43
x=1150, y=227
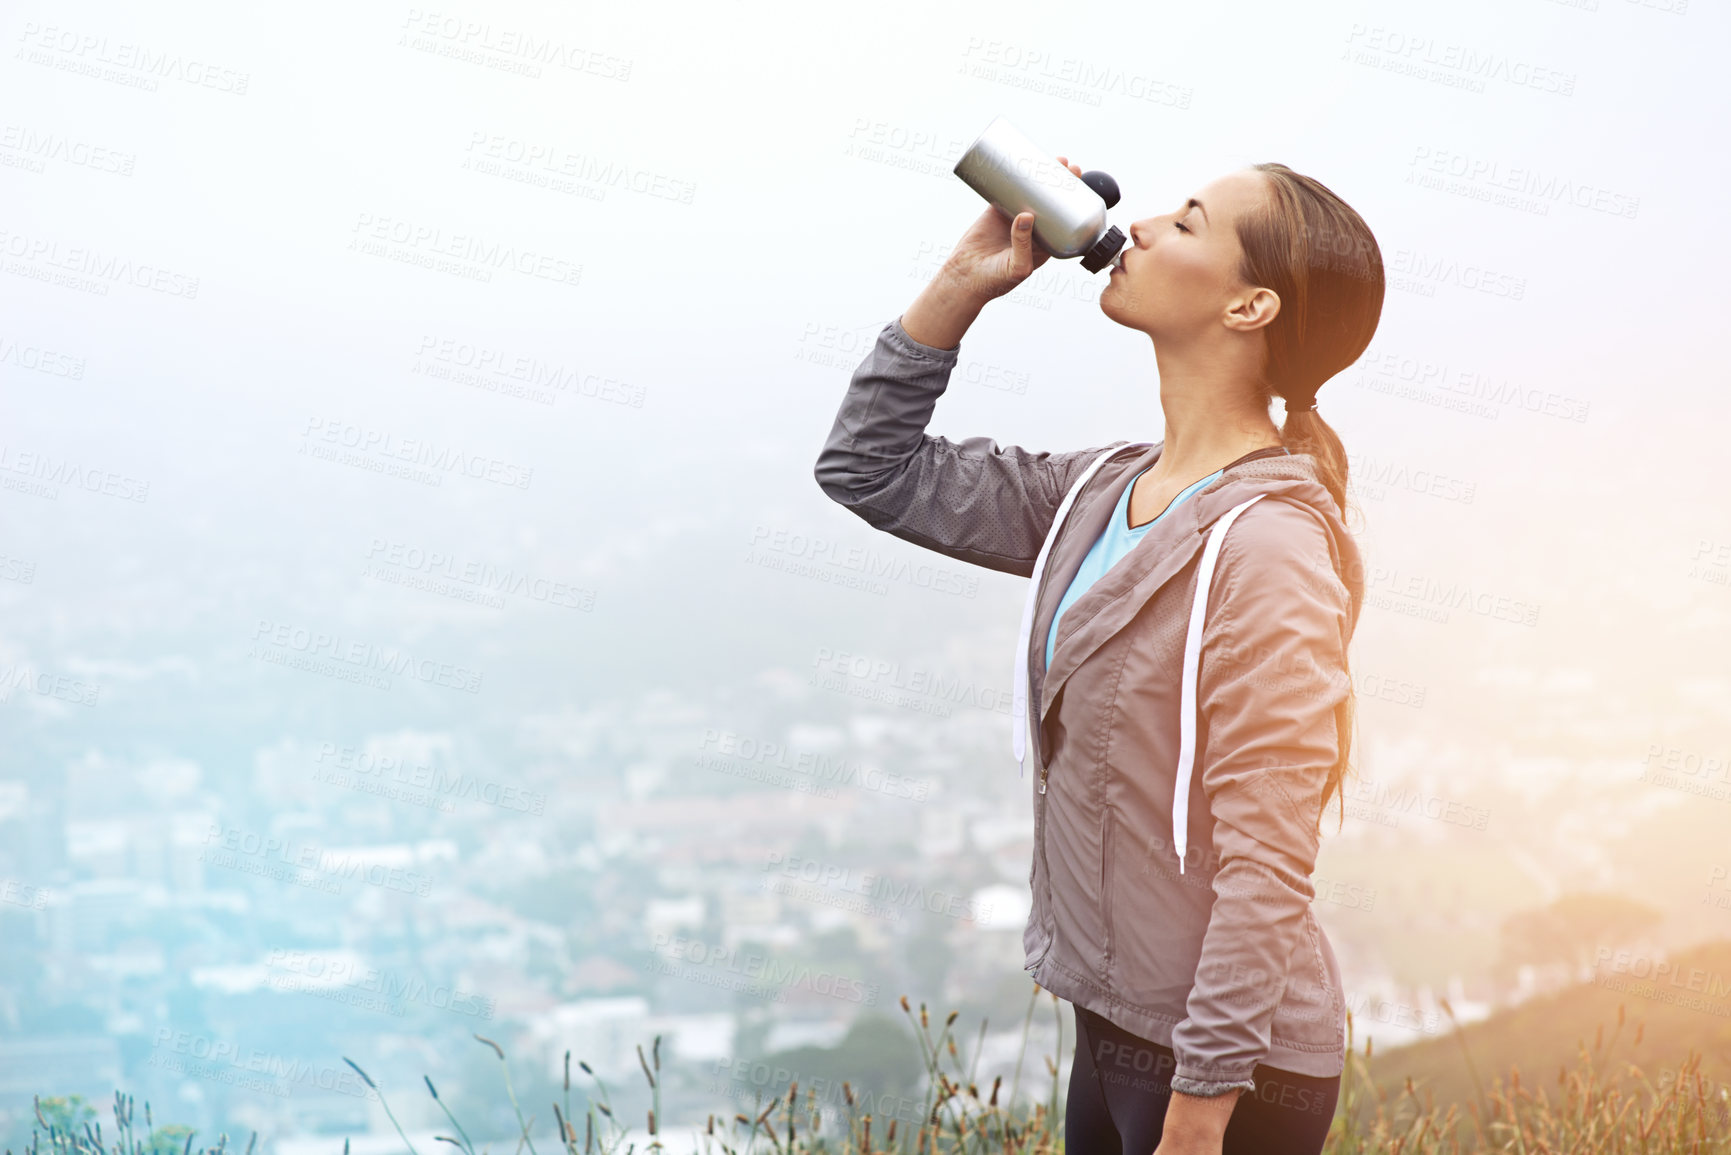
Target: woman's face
x=1179, y=273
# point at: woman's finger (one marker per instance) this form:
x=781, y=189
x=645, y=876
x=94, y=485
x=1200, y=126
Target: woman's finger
x=1022, y=243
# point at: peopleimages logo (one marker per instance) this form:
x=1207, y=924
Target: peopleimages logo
x=326, y=976
x=23, y=894
x=1400, y=799
x=465, y=253
x=888, y=680
x=415, y=451
x=1660, y=979
x=1459, y=65
x=1426, y=272
x=40, y=360
x=516, y=45
x=443, y=785
x=1375, y=477
x=1067, y=77
x=498, y=370
x=53, y=471
x=63, y=686
x=889, y=895
x=705, y=961
x=1533, y=188
x=290, y=855
x=363, y=657
x=863, y=560
x=216, y=1060
x=482, y=576
x=36, y=149
x=90, y=52
x=541, y=161
x=108, y=267
x=719, y=749
x=754, y=1081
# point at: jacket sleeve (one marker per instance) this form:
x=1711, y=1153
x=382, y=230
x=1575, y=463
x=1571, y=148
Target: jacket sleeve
x=969, y=500
x=1273, y=669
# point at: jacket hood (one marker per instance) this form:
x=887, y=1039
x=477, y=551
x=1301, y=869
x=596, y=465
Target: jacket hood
x=1292, y=478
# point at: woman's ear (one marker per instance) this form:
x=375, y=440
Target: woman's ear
x=1253, y=310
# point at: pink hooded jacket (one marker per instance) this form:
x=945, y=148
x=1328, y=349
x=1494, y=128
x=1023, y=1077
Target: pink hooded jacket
x=1217, y=954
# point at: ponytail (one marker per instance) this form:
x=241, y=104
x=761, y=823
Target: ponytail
x=1306, y=432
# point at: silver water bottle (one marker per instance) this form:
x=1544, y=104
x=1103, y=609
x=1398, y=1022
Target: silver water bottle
x=1016, y=176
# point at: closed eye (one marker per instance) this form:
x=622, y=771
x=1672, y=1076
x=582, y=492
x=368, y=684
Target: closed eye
x=1179, y=225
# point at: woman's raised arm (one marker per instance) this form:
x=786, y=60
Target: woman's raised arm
x=970, y=500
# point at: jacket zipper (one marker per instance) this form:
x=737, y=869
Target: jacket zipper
x=1034, y=707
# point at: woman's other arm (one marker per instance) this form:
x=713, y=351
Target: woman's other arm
x=1273, y=669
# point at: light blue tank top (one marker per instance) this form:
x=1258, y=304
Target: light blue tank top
x=1116, y=540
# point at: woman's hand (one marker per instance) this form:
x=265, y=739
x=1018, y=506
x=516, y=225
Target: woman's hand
x=997, y=253
x=1194, y=1146
x=1195, y=1125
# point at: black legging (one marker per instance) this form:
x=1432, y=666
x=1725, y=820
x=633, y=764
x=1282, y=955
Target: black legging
x=1119, y=1085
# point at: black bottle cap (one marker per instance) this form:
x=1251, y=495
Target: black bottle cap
x=1103, y=184
x=1104, y=250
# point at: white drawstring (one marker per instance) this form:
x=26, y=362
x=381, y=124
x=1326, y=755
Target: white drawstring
x=1192, y=650
x=1019, y=684
x=1187, y=694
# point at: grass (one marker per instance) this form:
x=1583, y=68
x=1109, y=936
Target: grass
x=1604, y=1106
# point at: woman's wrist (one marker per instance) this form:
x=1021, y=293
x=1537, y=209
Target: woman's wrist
x=1199, y=1116
x=942, y=312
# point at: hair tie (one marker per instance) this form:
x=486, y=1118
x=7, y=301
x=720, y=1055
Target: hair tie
x=1305, y=404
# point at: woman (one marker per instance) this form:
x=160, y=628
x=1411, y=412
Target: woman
x=1171, y=905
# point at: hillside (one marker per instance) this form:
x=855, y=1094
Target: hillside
x=1688, y=1009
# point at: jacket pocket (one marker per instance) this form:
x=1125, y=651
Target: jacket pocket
x=1310, y=1010
x=1107, y=825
